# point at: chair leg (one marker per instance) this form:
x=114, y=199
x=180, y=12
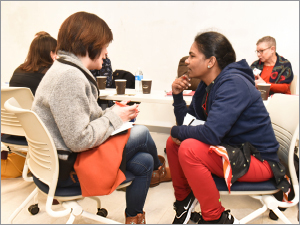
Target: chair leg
x=71, y=219
x=97, y=200
x=35, y=199
x=27, y=200
x=281, y=216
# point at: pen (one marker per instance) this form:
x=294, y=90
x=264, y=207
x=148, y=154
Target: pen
x=120, y=104
x=191, y=122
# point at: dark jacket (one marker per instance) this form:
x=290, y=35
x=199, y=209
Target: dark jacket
x=22, y=78
x=235, y=113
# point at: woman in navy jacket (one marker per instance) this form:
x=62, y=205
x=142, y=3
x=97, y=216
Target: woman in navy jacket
x=235, y=118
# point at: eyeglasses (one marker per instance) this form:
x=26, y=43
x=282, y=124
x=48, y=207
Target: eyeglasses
x=261, y=51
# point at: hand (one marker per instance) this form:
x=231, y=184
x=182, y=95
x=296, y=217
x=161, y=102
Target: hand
x=125, y=112
x=259, y=81
x=180, y=84
x=176, y=141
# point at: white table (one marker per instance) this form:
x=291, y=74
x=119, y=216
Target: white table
x=156, y=96
x=156, y=109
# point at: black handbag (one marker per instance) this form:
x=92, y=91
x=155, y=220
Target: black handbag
x=66, y=166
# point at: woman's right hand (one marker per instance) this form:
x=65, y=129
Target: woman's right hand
x=180, y=84
x=259, y=80
x=126, y=113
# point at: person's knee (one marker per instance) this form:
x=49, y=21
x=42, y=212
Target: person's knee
x=190, y=148
x=143, y=163
x=139, y=131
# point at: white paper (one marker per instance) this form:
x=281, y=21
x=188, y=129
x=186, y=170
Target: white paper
x=186, y=92
x=125, y=126
x=189, y=118
x=256, y=71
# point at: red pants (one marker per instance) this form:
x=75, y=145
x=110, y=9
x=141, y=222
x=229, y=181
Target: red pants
x=191, y=166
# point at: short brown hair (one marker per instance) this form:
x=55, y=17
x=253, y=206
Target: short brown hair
x=84, y=32
x=39, y=53
x=268, y=39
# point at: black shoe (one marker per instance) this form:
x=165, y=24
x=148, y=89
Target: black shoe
x=226, y=218
x=273, y=216
x=184, y=208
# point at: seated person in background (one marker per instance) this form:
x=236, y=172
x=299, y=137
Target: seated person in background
x=106, y=70
x=235, y=116
x=182, y=69
x=39, y=59
x=66, y=101
x=272, y=68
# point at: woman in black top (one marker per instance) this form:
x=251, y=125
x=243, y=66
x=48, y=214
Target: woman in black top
x=39, y=59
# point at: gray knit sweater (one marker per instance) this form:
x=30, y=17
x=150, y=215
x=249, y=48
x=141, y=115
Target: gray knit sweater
x=66, y=101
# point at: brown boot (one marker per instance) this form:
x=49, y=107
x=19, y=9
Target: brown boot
x=131, y=220
x=162, y=174
x=141, y=218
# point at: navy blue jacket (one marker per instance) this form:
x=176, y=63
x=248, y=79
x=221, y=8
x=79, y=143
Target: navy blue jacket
x=235, y=113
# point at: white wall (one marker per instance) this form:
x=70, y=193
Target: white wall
x=154, y=35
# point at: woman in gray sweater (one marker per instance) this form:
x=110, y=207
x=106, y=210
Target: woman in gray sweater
x=66, y=101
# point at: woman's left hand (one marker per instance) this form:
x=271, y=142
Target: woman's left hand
x=126, y=112
x=176, y=141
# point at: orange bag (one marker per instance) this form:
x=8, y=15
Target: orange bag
x=12, y=166
x=102, y=169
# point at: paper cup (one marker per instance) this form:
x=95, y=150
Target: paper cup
x=101, y=80
x=120, y=86
x=146, y=85
x=264, y=90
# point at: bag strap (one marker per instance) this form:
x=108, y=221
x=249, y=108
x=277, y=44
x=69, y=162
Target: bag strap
x=82, y=70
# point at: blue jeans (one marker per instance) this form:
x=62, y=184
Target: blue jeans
x=141, y=159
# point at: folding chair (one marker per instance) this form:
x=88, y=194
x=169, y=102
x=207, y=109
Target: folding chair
x=13, y=134
x=284, y=114
x=43, y=163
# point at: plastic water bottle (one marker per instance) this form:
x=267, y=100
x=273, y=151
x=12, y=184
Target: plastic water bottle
x=138, y=80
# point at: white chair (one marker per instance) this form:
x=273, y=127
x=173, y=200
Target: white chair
x=42, y=161
x=294, y=85
x=284, y=114
x=13, y=134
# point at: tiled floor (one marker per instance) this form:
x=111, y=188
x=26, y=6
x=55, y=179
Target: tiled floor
x=158, y=207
